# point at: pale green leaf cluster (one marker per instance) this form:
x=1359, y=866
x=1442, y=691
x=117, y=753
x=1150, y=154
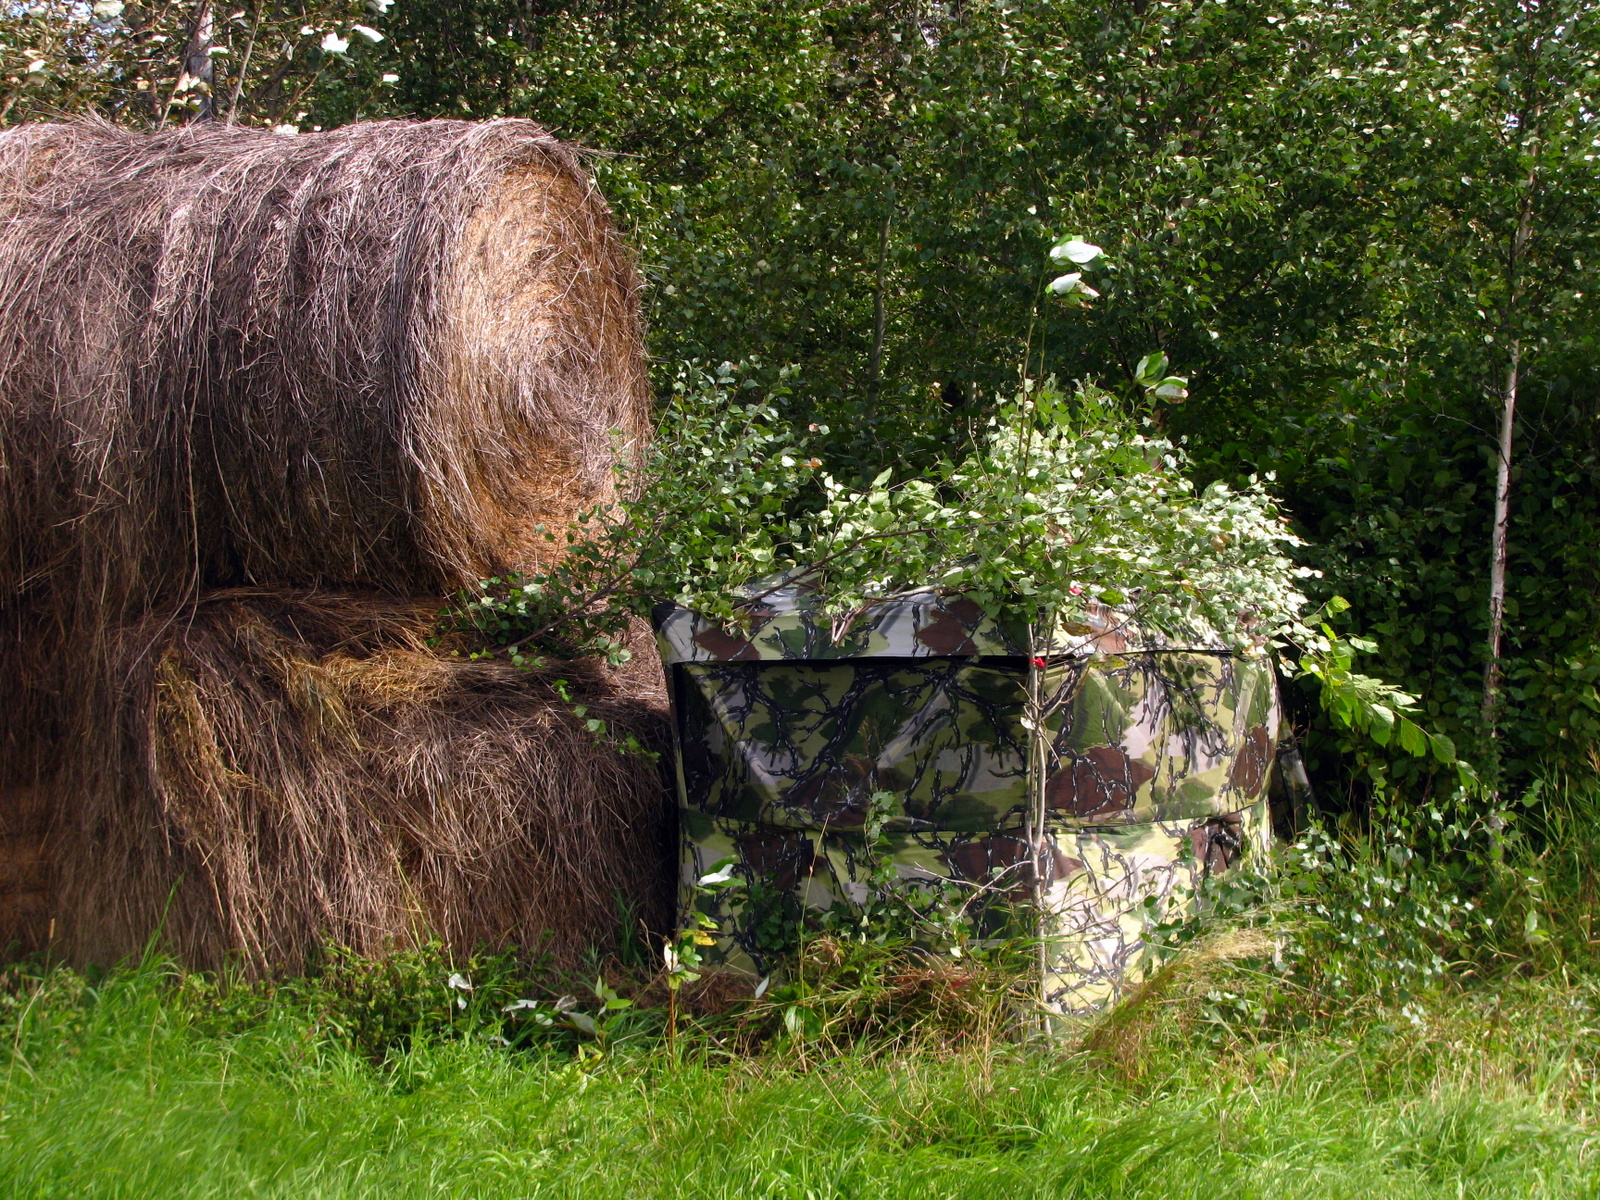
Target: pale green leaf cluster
x=1063, y=504
x=1055, y=511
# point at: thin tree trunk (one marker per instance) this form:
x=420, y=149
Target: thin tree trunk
x=1497, y=543
x=1040, y=706
x=201, y=66
x=244, y=66
x=875, y=364
x=1502, y=491
x=196, y=65
x=1035, y=715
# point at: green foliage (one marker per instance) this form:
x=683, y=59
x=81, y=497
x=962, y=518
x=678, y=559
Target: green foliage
x=1367, y=711
x=265, y=63
x=1402, y=536
x=376, y=1008
x=1311, y=207
x=1060, y=506
x=790, y=170
x=1368, y=921
x=1391, y=914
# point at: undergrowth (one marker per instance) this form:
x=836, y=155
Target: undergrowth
x=1358, y=1021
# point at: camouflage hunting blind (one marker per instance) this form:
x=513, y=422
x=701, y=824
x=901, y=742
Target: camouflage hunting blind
x=1161, y=754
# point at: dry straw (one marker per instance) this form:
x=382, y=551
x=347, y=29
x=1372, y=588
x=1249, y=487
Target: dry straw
x=305, y=766
x=373, y=361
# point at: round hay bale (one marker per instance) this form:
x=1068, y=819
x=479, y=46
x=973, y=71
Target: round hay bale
x=288, y=768
x=378, y=357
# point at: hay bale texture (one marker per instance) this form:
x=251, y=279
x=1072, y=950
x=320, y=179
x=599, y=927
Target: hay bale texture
x=264, y=402
x=376, y=357
x=292, y=767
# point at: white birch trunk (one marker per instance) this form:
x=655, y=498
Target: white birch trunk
x=1497, y=542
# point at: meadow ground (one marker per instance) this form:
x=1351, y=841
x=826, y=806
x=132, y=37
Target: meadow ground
x=133, y=1087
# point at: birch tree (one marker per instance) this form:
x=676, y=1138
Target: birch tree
x=1502, y=117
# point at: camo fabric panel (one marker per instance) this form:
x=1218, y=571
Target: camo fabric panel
x=1160, y=755
x=805, y=745
x=1138, y=738
x=1102, y=886
x=786, y=624
x=1161, y=736
x=1116, y=880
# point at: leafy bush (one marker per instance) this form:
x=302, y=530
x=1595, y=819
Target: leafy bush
x=1061, y=505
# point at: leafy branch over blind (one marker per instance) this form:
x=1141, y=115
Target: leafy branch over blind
x=1061, y=504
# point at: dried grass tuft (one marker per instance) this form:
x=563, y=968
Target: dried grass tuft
x=1122, y=1037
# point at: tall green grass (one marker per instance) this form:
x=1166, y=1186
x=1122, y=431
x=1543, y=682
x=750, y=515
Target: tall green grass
x=121, y=1089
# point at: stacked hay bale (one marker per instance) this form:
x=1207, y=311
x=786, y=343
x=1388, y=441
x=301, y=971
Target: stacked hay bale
x=264, y=402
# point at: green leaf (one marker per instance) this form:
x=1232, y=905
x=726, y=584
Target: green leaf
x=1382, y=726
x=801, y=1022
x=1150, y=368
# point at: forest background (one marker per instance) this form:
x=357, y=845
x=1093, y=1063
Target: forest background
x=1355, y=228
